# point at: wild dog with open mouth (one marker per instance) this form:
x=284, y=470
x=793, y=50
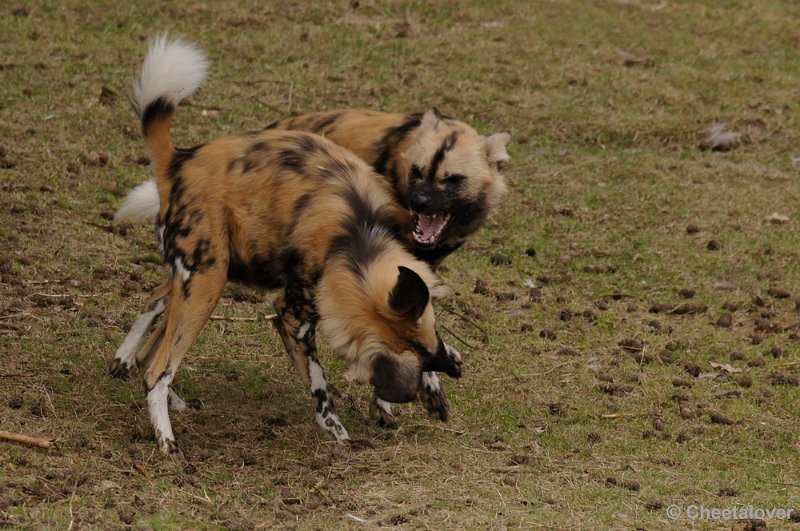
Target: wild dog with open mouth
x=280, y=209
x=442, y=171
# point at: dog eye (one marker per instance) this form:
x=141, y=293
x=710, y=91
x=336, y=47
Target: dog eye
x=416, y=173
x=455, y=179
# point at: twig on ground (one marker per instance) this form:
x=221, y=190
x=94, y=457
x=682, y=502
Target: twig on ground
x=443, y=327
x=617, y=415
x=470, y=321
x=24, y=439
x=269, y=317
x=269, y=106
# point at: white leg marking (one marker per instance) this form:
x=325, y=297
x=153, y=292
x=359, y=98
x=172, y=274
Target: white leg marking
x=126, y=352
x=177, y=403
x=318, y=380
x=181, y=270
x=161, y=229
x=325, y=415
x=453, y=353
x=430, y=381
x=384, y=405
x=301, y=332
x=157, y=404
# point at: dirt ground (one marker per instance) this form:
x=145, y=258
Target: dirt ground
x=629, y=317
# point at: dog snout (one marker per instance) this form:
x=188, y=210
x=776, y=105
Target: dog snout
x=421, y=202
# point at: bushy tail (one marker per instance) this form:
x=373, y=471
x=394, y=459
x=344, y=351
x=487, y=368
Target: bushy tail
x=173, y=70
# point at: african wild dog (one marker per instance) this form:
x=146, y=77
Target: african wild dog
x=442, y=171
x=280, y=209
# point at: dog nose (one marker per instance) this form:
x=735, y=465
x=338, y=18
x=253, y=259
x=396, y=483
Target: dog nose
x=420, y=202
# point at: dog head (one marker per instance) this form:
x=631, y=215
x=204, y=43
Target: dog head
x=452, y=180
x=385, y=328
x=413, y=344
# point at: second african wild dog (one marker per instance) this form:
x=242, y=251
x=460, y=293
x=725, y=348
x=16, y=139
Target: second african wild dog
x=441, y=170
x=289, y=209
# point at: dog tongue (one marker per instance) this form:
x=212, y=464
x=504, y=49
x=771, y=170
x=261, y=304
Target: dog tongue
x=429, y=226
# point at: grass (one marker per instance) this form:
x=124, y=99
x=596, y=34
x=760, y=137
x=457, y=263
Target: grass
x=554, y=423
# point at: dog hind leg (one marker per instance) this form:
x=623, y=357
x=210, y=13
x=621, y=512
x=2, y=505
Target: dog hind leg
x=123, y=359
x=185, y=316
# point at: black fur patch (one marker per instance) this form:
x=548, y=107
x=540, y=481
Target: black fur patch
x=438, y=157
x=410, y=295
x=392, y=381
x=254, y=156
x=156, y=110
x=393, y=136
x=363, y=236
x=292, y=160
x=325, y=125
x=180, y=158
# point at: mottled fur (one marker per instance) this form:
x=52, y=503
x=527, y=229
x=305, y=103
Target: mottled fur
x=281, y=209
x=440, y=169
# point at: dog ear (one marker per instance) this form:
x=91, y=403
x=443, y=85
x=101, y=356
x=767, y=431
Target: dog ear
x=430, y=121
x=410, y=296
x=496, y=152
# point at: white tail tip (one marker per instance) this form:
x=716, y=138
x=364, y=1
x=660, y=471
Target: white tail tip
x=172, y=70
x=141, y=204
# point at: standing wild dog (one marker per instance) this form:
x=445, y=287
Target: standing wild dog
x=281, y=209
x=445, y=175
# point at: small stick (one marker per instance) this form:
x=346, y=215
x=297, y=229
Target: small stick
x=269, y=317
x=617, y=415
x=24, y=439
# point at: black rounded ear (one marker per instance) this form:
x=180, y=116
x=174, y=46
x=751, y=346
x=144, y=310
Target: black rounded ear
x=410, y=296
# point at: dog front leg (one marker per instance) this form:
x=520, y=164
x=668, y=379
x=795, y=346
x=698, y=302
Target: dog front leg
x=296, y=324
x=431, y=394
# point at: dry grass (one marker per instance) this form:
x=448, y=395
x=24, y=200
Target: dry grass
x=586, y=401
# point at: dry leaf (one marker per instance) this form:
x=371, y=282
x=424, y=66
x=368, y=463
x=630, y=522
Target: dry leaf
x=727, y=367
x=777, y=219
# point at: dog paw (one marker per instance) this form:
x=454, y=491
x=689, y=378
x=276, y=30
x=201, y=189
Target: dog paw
x=359, y=445
x=171, y=448
x=435, y=403
x=193, y=404
x=381, y=417
x=118, y=369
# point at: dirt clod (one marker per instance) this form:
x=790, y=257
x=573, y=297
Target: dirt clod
x=530, y=251
x=719, y=418
x=692, y=368
x=654, y=505
x=481, y=287
x=686, y=293
x=725, y=320
x=546, y=333
x=714, y=245
x=632, y=345
x=15, y=402
x=498, y=259
x=757, y=362
x=126, y=515
x=692, y=228
x=595, y=437
x=782, y=378
x=778, y=293
x=615, y=389
x=728, y=491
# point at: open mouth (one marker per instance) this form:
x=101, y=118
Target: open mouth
x=428, y=227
